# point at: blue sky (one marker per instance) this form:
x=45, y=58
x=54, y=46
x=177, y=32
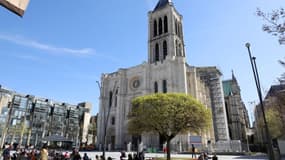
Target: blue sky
x=59, y=49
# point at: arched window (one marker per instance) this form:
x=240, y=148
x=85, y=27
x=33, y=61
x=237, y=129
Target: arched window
x=156, y=52
x=164, y=86
x=179, y=50
x=116, y=97
x=110, y=98
x=155, y=87
x=113, y=121
x=164, y=49
x=159, y=26
x=154, y=28
x=176, y=27
x=165, y=24
x=178, y=30
x=176, y=47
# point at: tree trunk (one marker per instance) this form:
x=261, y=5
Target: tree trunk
x=29, y=136
x=168, y=148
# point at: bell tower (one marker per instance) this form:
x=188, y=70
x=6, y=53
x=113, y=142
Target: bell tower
x=165, y=37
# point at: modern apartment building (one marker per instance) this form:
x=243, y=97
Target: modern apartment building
x=27, y=119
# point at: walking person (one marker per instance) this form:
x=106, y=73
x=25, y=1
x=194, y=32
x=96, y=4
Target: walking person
x=193, y=151
x=44, y=153
x=6, y=153
x=85, y=157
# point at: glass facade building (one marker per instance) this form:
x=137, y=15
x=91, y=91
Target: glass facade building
x=27, y=120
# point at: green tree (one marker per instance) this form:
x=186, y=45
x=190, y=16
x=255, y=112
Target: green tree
x=168, y=115
x=275, y=23
x=274, y=123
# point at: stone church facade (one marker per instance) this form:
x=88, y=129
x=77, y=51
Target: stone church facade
x=165, y=71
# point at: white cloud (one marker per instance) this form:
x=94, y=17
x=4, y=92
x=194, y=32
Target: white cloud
x=46, y=47
x=28, y=57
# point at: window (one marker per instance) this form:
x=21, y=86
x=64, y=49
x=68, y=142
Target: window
x=160, y=26
x=110, y=98
x=176, y=27
x=176, y=47
x=164, y=86
x=164, y=49
x=154, y=28
x=155, y=87
x=113, y=121
x=156, y=52
x=178, y=30
x=116, y=97
x=165, y=24
x=179, y=50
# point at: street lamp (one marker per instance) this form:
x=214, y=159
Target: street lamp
x=257, y=83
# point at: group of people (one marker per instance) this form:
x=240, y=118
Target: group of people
x=203, y=155
x=139, y=156
x=42, y=154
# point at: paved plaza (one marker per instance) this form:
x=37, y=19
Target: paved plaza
x=116, y=156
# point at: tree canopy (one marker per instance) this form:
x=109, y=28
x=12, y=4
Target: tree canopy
x=275, y=23
x=274, y=123
x=167, y=114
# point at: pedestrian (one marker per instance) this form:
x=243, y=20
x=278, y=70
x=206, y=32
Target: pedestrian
x=76, y=155
x=193, y=151
x=96, y=157
x=85, y=157
x=201, y=157
x=215, y=157
x=136, y=157
x=66, y=155
x=6, y=153
x=44, y=153
x=130, y=157
x=205, y=156
x=123, y=155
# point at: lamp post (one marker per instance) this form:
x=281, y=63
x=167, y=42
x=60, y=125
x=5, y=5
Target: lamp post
x=257, y=83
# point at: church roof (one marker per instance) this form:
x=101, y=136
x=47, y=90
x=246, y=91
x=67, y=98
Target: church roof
x=227, y=87
x=275, y=90
x=161, y=4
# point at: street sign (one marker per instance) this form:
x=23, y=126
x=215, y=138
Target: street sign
x=16, y=6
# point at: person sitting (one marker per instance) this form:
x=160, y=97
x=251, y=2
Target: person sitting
x=123, y=155
x=205, y=156
x=215, y=157
x=201, y=157
x=130, y=157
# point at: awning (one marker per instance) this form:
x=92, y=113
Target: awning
x=56, y=138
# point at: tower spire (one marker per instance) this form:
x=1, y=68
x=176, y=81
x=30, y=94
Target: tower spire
x=161, y=4
x=233, y=76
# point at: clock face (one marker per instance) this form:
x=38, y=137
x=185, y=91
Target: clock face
x=135, y=83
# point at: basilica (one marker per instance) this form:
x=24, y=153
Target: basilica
x=166, y=70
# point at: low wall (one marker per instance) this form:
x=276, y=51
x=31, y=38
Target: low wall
x=281, y=144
